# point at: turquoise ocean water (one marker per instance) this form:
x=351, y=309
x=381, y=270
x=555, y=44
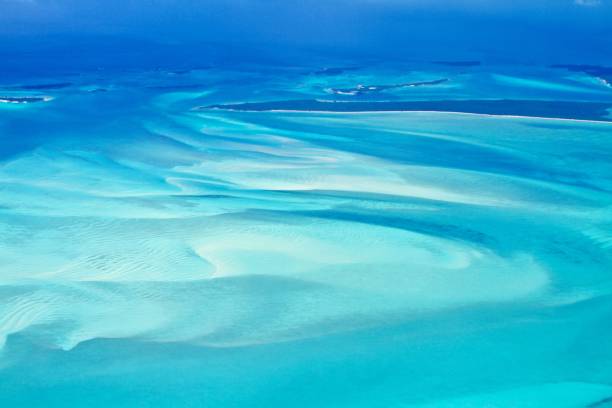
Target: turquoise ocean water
x=157, y=252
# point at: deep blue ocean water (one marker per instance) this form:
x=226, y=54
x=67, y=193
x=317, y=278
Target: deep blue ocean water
x=160, y=248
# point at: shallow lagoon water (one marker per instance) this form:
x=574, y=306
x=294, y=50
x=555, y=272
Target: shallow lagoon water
x=158, y=255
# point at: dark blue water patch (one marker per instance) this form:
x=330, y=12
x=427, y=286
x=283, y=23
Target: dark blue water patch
x=597, y=111
x=180, y=72
x=458, y=63
x=332, y=71
x=565, y=126
x=41, y=87
x=177, y=87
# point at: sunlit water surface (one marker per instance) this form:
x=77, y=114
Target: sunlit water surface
x=157, y=255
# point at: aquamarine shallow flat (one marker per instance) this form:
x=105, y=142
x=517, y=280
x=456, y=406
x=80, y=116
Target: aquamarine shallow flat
x=157, y=254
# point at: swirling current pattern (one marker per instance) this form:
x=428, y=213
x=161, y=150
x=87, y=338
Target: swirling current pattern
x=300, y=258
